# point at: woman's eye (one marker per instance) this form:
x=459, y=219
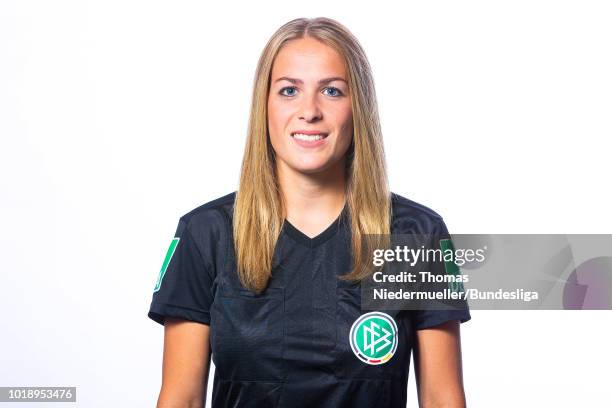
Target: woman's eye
x=288, y=88
x=291, y=91
x=334, y=91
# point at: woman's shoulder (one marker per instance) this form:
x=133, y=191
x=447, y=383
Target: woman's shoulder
x=408, y=216
x=214, y=215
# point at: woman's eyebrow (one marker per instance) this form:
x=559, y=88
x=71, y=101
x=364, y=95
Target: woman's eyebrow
x=299, y=81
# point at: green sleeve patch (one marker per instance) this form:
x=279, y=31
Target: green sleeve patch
x=451, y=268
x=167, y=259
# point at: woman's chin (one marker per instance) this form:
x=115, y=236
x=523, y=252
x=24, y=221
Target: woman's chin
x=314, y=169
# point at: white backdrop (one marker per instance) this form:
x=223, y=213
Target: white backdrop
x=117, y=117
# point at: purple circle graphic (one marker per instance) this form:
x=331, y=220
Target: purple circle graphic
x=589, y=286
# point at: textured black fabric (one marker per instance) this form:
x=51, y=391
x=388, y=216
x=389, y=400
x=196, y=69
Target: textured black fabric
x=289, y=347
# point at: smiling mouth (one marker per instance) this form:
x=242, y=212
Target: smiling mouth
x=308, y=137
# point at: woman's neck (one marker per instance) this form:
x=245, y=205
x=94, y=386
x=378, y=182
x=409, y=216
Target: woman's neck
x=312, y=201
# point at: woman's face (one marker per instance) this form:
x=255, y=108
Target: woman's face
x=310, y=118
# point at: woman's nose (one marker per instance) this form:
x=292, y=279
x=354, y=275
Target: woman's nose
x=309, y=109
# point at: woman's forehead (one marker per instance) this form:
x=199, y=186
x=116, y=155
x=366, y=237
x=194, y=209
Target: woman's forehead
x=308, y=58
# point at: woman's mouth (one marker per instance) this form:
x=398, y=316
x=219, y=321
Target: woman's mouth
x=309, y=139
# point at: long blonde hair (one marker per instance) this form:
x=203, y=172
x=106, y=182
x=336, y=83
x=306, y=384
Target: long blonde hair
x=258, y=209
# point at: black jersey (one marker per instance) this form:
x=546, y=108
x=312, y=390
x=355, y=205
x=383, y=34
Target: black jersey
x=290, y=346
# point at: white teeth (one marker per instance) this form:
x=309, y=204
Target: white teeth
x=308, y=138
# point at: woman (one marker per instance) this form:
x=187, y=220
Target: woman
x=264, y=278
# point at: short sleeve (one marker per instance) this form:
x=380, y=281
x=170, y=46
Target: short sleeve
x=424, y=319
x=184, y=284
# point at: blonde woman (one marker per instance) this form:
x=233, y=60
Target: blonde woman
x=263, y=279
